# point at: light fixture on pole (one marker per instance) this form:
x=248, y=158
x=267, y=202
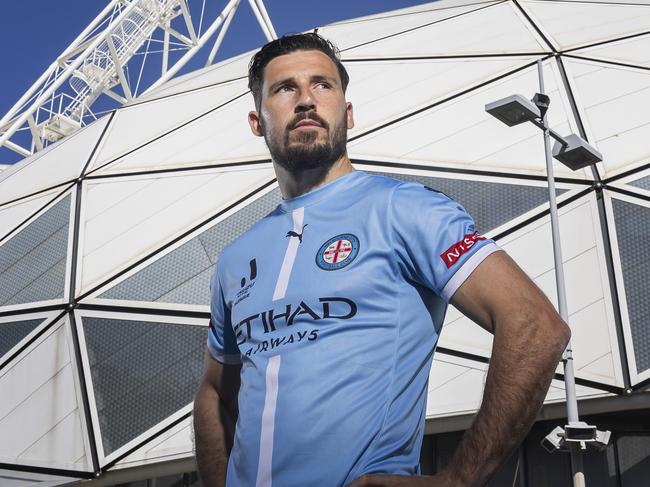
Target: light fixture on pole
x=575, y=153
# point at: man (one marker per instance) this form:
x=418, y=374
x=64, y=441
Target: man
x=326, y=313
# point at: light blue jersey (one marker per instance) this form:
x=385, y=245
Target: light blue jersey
x=333, y=304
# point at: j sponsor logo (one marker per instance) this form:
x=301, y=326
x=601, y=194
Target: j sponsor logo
x=455, y=252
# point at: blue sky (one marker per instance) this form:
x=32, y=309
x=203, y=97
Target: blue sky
x=34, y=32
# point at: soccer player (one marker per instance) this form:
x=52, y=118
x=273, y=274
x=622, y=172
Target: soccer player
x=326, y=313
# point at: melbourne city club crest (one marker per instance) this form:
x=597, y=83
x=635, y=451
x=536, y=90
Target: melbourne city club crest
x=337, y=252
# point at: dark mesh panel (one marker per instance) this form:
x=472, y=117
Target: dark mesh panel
x=643, y=183
x=142, y=373
x=183, y=275
x=490, y=204
x=633, y=234
x=33, y=262
x=634, y=459
x=12, y=333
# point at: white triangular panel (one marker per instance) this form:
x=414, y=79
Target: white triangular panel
x=227, y=70
x=596, y=354
x=462, y=334
x=62, y=162
x=590, y=308
x=634, y=51
x=459, y=133
x=127, y=218
x=456, y=387
x=220, y=137
x=384, y=91
x=175, y=443
x=136, y=125
x=572, y=24
x=615, y=122
x=14, y=214
x=40, y=417
x=556, y=392
x=347, y=35
x=499, y=29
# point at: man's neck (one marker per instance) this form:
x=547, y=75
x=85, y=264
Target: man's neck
x=297, y=183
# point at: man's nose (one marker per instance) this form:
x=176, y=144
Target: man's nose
x=305, y=102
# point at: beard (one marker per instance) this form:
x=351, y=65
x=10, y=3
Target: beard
x=299, y=151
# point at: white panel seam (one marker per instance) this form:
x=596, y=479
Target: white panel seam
x=282, y=283
x=47, y=432
x=265, y=463
x=38, y=388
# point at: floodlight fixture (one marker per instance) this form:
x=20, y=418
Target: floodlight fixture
x=554, y=441
x=513, y=110
x=580, y=431
x=575, y=152
x=576, y=432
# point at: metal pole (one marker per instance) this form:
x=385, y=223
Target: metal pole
x=201, y=42
x=577, y=469
x=222, y=34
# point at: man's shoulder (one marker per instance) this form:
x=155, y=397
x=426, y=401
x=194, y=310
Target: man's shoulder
x=401, y=192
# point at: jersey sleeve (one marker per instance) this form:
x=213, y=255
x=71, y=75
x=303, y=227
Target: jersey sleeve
x=435, y=239
x=222, y=343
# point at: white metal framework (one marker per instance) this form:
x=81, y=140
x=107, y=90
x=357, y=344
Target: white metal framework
x=108, y=58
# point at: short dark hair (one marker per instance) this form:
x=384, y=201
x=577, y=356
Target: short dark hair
x=285, y=45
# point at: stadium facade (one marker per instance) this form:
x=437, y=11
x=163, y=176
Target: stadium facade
x=108, y=237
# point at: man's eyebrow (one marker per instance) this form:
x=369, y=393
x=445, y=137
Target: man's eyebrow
x=281, y=82
x=292, y=80
x=322, y=77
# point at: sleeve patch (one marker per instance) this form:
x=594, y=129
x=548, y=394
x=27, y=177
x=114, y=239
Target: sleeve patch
x=453, y=253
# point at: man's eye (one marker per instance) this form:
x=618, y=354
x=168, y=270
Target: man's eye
x=284, y=89
x=323, y=85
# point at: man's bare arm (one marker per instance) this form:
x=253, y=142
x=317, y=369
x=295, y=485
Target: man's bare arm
x=215, y=415
x=529, y=337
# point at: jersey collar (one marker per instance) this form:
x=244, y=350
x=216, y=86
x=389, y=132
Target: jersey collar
x=339, y=184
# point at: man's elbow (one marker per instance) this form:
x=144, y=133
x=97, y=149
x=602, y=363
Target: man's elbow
x=557, y=333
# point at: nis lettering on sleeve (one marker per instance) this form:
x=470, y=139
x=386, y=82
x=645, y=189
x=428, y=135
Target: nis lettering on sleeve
x=453, y=253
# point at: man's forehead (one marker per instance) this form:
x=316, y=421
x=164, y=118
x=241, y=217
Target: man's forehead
x=311, y=62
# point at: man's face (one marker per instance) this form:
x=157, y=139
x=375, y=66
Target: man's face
x=303, y=114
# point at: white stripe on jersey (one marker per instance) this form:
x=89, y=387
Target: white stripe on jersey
x=298, y=216
x=264, y=466
x=468, y=267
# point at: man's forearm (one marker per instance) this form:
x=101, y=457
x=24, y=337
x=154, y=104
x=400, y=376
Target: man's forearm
x=214, y=429
x=521, y=369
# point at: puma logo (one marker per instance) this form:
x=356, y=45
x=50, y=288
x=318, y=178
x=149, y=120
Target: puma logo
x=291, y=233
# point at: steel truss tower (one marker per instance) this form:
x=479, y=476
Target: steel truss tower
x=108, y=58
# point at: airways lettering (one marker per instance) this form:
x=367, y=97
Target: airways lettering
x=272, y=319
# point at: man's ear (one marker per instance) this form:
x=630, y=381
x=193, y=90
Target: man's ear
x=350, y=114
x=255, y=123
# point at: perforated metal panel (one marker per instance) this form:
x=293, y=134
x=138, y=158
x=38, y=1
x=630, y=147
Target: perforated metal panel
x=634, y=458
x=32, y=263
x=142, y=372
x=633, y=237
x=183, y=275
x=13, y=332
x=643, y=183
x=490, y=204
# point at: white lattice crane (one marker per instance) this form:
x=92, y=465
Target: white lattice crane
x=94, y=72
